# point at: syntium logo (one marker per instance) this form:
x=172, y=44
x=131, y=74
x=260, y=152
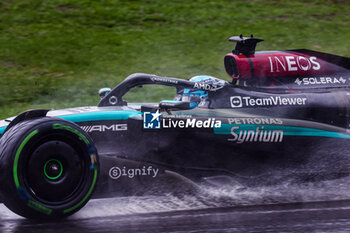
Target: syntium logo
x=258, y=135
x=103, y=128
x=247, y=101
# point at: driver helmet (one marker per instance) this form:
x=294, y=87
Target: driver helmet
x=196, y=96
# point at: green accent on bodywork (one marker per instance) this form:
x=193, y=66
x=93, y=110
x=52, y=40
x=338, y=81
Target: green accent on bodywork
x=61, y=170
x=100, y=116
x=18, y=153
x=2, y=129
x=39, y=207
x=70, y=129
x=86, y=197
x=287, y=130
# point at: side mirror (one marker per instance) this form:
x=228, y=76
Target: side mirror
x=174, y=105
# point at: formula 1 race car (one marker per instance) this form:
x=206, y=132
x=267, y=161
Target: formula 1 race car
x=285, y=113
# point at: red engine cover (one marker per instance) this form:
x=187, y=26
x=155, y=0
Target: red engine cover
x=283, y=64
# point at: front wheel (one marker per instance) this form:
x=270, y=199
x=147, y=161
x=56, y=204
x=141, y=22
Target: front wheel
x=49, y=168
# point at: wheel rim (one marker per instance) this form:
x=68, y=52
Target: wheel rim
x=55, y=171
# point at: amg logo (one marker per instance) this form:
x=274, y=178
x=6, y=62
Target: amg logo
x=103, y=128
x=257, y=135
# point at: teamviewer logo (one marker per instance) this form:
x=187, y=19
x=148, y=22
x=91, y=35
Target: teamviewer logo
x=151, y=120
x=236, y=101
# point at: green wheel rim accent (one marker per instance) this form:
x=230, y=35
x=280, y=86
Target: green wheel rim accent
x=18, y=153
x=86, y=196
x=30, y=203
x=61, y=170
x=39, y=207
x=70, y=129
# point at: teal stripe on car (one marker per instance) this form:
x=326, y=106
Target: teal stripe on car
x=100, y=116
x=171, y=101
x=95, y=116
x=287, y=130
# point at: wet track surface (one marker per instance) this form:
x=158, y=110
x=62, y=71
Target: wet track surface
x=291, y=217
x=215, y=207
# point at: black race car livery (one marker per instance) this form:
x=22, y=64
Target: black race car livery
x=284, y=111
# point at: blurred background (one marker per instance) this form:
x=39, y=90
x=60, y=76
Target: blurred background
x=58, y=53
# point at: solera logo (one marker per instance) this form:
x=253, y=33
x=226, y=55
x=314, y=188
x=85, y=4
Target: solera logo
x=293, y=63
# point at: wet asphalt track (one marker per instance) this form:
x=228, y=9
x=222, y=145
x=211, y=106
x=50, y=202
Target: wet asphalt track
x=233, y=207
x=292, y=217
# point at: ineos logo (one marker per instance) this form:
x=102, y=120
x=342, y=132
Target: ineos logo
x=293, y=63
x=236, y=101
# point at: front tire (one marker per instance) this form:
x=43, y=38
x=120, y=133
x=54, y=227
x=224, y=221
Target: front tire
x=49, y=168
